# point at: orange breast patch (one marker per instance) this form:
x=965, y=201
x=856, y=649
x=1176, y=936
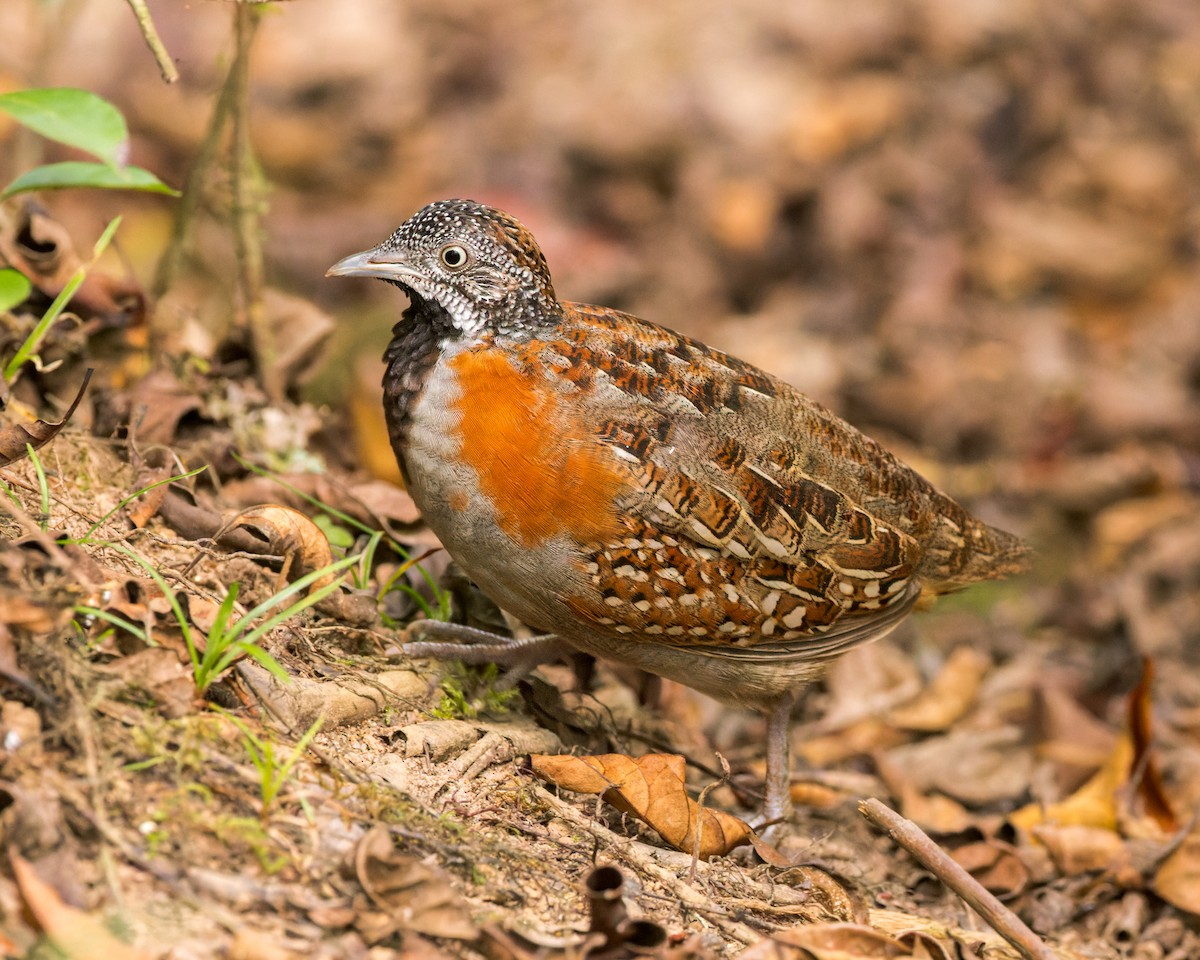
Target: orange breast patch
x=544, y=473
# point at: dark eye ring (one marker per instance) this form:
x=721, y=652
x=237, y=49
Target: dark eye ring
x=454, y=256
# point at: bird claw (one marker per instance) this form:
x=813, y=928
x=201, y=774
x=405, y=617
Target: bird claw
x=518, y=656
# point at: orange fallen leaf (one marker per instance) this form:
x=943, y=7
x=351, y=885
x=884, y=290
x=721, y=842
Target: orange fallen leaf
x=1094, y=804
x=77, y=934
x=652, y=789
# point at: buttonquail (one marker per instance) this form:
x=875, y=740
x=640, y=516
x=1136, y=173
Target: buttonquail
x=640, y=495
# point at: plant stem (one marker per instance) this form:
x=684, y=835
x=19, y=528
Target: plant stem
x=166, y=66
x=247, y=231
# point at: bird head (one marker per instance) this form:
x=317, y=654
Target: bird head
x=481, y=266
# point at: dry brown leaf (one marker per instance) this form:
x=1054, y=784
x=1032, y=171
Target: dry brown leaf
x=19, y=725
x=817, y=796
x=863, y=737
x=287, y=533
x=1073, y=739
x=159, y=672
x=948, y=697
x=994, y=864
x=1178, y=879
x=1082, y=849
x=16, y=438
x=924, y=947
x=651, y=788
x=157, y=403
x=830, y=941
x=289, y=341
x=974, y=766
x=79, y=935
x=934, y=812
x=414, y=895
x=39, y=246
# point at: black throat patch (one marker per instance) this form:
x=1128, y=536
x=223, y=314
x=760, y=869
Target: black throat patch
x=410, y=355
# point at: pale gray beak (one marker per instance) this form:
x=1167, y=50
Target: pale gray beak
x=385, y=264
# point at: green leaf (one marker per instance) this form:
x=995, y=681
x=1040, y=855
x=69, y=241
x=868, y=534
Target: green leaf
x=78, y=173
x=74, y=117
x=14, y=288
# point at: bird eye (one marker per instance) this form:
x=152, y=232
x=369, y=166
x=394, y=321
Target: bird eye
x=454, y=256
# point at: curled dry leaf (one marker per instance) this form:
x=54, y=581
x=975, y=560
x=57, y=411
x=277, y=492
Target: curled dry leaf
x=1106, y=800
x=831, y=941
x=77, y=934
x=287, y=533
x=1152, y=799
x=1094, y=804
x=412, y=894
x=39, y=246
x=651, y=788
x=605, y=890
x=157, y=404
x=374, y=502
x=16, y=439
x=948, y=697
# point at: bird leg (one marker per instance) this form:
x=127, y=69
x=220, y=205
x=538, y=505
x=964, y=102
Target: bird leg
x=456, y=641
x=778, y=805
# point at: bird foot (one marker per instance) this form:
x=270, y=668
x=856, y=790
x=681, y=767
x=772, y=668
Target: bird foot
x=455, y=641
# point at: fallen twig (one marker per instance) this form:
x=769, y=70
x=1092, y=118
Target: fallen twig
x=917, y=842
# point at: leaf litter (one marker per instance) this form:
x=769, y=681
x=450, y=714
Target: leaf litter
x=997, y=268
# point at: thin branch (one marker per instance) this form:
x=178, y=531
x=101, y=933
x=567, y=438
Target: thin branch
x=917, y=842
x=166, y=66
x=247, y=205
x=193, y=190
